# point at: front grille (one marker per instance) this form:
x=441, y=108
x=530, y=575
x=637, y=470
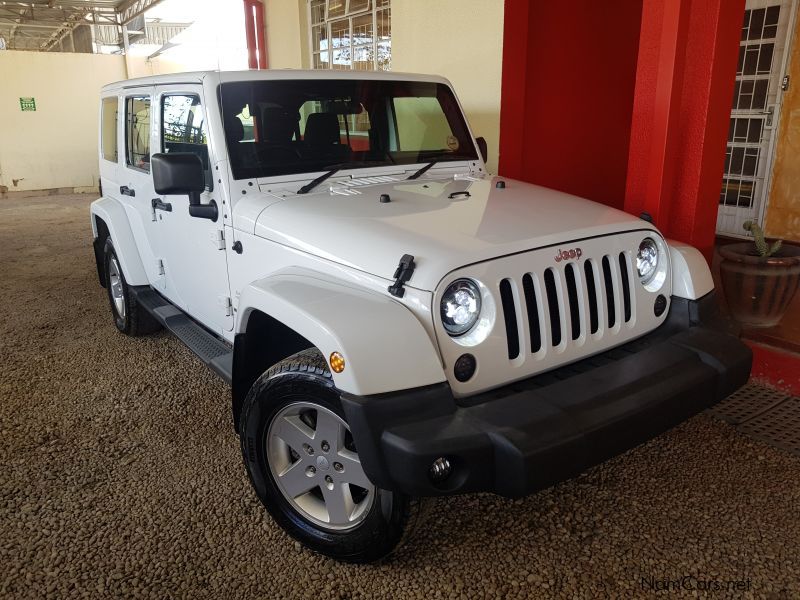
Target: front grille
x=544, y=310
x=567, y=304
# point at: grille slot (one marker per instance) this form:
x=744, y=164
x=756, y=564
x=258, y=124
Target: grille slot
x=532, y=306
x=594, y=321
x=609, y=287
x=572, y=296
x=510, y=317
x=552, y=306
x=626, y=287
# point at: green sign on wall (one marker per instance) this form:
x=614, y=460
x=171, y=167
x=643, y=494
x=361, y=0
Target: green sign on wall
x=27, y=104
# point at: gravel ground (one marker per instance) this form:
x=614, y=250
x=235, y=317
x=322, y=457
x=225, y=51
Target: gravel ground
x=120, y=477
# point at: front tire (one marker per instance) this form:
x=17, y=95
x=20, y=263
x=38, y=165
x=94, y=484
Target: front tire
x=130, y=318
x=304, y=467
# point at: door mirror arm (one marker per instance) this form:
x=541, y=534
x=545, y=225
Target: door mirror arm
x=204, y=211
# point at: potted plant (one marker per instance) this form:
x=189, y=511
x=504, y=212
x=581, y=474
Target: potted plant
x=759, y=279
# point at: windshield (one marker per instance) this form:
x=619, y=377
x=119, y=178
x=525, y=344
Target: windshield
x=301, y=126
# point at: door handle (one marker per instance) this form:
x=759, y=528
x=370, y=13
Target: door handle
x=159, y=205
x=126, y=191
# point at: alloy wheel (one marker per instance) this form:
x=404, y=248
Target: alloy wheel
x=315, y=465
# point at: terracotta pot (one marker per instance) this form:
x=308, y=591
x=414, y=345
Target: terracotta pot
x=758, y=289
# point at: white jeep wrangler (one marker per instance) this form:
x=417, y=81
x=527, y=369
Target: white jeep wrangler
x=395, y=323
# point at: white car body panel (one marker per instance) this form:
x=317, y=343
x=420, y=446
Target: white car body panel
x=263, y=259
x=442, y=234
x=691, y=276
x=113, y=215
x=382, y=342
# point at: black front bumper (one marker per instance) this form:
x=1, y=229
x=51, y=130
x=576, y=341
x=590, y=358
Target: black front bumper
x=537, y=432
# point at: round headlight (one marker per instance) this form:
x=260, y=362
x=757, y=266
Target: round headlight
x=461, y=306
x=647, y=260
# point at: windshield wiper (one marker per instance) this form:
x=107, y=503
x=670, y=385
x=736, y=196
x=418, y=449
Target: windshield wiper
x=423, y=170
x=335, y=168
x=315, y=182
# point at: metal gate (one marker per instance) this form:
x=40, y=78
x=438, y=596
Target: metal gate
x=760, y=82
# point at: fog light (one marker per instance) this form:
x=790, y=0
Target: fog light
x=440, y=469
x=464, y=367
x=660, y=305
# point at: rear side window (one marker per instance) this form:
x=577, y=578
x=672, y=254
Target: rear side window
x=137, y=132
x=109, y=129
x=182, y=126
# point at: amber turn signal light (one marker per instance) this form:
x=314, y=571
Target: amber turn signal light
x=337, y=362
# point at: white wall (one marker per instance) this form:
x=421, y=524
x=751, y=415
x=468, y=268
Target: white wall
x=56, y=146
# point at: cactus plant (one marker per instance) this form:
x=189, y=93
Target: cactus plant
x=762, y=246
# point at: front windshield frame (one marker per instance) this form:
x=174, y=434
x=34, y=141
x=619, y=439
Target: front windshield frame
x=375, y=97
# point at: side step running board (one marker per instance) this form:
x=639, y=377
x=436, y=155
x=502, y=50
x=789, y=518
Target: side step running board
x=214, y=352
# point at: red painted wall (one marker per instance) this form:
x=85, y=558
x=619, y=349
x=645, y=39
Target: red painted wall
x=684, y=91
x=569, y=72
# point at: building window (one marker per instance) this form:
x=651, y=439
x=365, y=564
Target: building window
x=351, y=34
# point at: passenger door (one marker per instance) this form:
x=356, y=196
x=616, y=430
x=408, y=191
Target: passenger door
x=193, y=249
x=134, y=184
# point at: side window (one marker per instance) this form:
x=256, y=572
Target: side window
x=109, y=129
x=422, y=125
x=182, y=126
x=137, y=132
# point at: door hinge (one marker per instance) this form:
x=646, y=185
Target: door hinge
x=160, y=266
x=785, y=83
x=218, y=238
x=226, y=304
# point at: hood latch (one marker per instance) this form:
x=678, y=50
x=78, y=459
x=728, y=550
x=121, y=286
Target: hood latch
x=404, y=271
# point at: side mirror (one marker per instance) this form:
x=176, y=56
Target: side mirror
x=483, y=148
x=179, y=173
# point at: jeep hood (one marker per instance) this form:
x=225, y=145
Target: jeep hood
x=349, y=225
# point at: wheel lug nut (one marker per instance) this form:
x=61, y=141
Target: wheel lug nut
x=311, y=471
x=325, y=446
x=309, y=450
x=338, y=467
x=329, y=482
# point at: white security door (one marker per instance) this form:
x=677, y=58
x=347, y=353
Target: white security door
x=763, y=53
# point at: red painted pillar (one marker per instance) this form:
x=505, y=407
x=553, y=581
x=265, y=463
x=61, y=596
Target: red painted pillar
x=512, y=99
x=254, y=30
x=682, y=101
